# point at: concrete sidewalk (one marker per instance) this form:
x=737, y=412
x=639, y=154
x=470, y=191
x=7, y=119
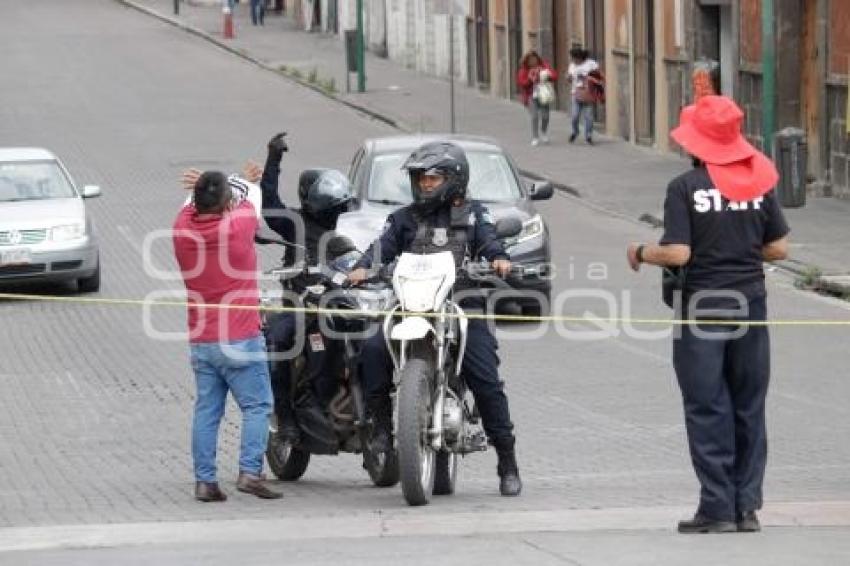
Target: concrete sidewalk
x=616, y=176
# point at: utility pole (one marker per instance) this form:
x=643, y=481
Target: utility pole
x=452, y=122
x=768, y=75
x=361, y=50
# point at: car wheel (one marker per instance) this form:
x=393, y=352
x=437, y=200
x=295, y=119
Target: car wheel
x=90, y=284
x=536, y=308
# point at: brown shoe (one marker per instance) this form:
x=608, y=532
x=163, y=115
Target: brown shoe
x=209, y=492
x=249, y=483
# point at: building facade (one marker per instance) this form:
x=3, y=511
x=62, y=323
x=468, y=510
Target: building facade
x=786, y=62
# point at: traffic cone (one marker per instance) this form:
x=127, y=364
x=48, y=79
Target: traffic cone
x=228, y=22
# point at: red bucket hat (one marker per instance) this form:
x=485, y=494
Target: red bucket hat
x=711, y=131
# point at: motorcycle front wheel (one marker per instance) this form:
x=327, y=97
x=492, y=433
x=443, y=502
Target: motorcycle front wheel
x=287, y=462
x=382, y=468
x=445, y=474
x=416, y=457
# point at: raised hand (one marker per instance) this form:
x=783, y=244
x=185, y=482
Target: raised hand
x=278, y=143
x=190, y=177
x=252, y=172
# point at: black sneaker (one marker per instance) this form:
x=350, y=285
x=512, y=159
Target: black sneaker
x=573, y=137
x=589, y=141
x=748, y=522
x=701, y=524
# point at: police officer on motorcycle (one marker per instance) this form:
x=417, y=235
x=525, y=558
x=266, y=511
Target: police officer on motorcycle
x=442, y=219
x=324, y=194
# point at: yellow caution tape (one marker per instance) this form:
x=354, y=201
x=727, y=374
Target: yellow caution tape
x=503, y=317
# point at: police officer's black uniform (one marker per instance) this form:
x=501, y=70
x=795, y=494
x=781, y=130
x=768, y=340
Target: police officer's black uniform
x=321, y=204
x=464, y=228
x=723, y=375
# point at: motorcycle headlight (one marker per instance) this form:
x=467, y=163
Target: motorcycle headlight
x=418, y=294
x=531, y=228
x=67, y=232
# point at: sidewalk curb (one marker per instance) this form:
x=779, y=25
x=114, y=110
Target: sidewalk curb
x=265, y=66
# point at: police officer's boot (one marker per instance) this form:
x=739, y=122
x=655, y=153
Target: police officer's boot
x=382, y=424
x=509, y=482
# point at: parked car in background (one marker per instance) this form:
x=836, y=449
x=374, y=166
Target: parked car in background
x=45, y=232
x=381, y=186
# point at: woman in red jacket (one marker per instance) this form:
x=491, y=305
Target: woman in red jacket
x=536, y=82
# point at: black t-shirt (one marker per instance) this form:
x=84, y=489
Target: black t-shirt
x=726, y=238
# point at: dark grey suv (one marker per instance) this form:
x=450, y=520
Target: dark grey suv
x=381, y=186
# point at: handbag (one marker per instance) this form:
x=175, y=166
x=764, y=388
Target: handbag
x=543, y=93
x=585, y=95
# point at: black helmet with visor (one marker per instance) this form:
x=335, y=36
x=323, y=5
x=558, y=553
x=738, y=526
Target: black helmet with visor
x=437, y=158
x=324, y=194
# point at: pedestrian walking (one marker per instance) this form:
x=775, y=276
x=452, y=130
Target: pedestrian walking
x=536, y=82
x=721, y=222
x=213, y=241
x=586, y=90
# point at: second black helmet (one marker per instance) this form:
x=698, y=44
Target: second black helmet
x=324, y=193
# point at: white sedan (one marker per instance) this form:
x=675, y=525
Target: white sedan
x=45, y=232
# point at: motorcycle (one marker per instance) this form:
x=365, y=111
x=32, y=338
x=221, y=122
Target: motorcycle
x=342, y=426
x=436, y=419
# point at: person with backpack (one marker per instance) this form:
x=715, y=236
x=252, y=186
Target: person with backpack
x=586, y=91
x=536, y=82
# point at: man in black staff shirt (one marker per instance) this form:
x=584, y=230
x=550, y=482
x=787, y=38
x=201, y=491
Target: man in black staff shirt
x=721, y=222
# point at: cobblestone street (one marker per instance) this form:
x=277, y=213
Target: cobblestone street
x=95, y=412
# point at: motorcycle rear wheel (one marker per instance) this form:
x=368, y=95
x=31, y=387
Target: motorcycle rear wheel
x=416, y=457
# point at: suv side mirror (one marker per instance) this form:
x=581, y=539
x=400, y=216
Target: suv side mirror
x=541, y=190
x=508, y=227
x=90, y=191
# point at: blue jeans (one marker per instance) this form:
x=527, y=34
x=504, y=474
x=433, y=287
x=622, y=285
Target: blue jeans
x=539, y=118
x=258, y=11
x=241, y=368
x=577, y=109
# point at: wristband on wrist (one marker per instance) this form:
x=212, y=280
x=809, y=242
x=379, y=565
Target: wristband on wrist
x=639, y=253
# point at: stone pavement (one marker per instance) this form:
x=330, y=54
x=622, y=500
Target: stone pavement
x=95, y=410
x=412, y=101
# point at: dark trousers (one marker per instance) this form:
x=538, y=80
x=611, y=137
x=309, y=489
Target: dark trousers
x=321, y=363
x=724, y=385
x=480, y=370
x=258, y=11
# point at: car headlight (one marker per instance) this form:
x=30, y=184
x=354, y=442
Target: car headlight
x=531, y=228
x=66, y=232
